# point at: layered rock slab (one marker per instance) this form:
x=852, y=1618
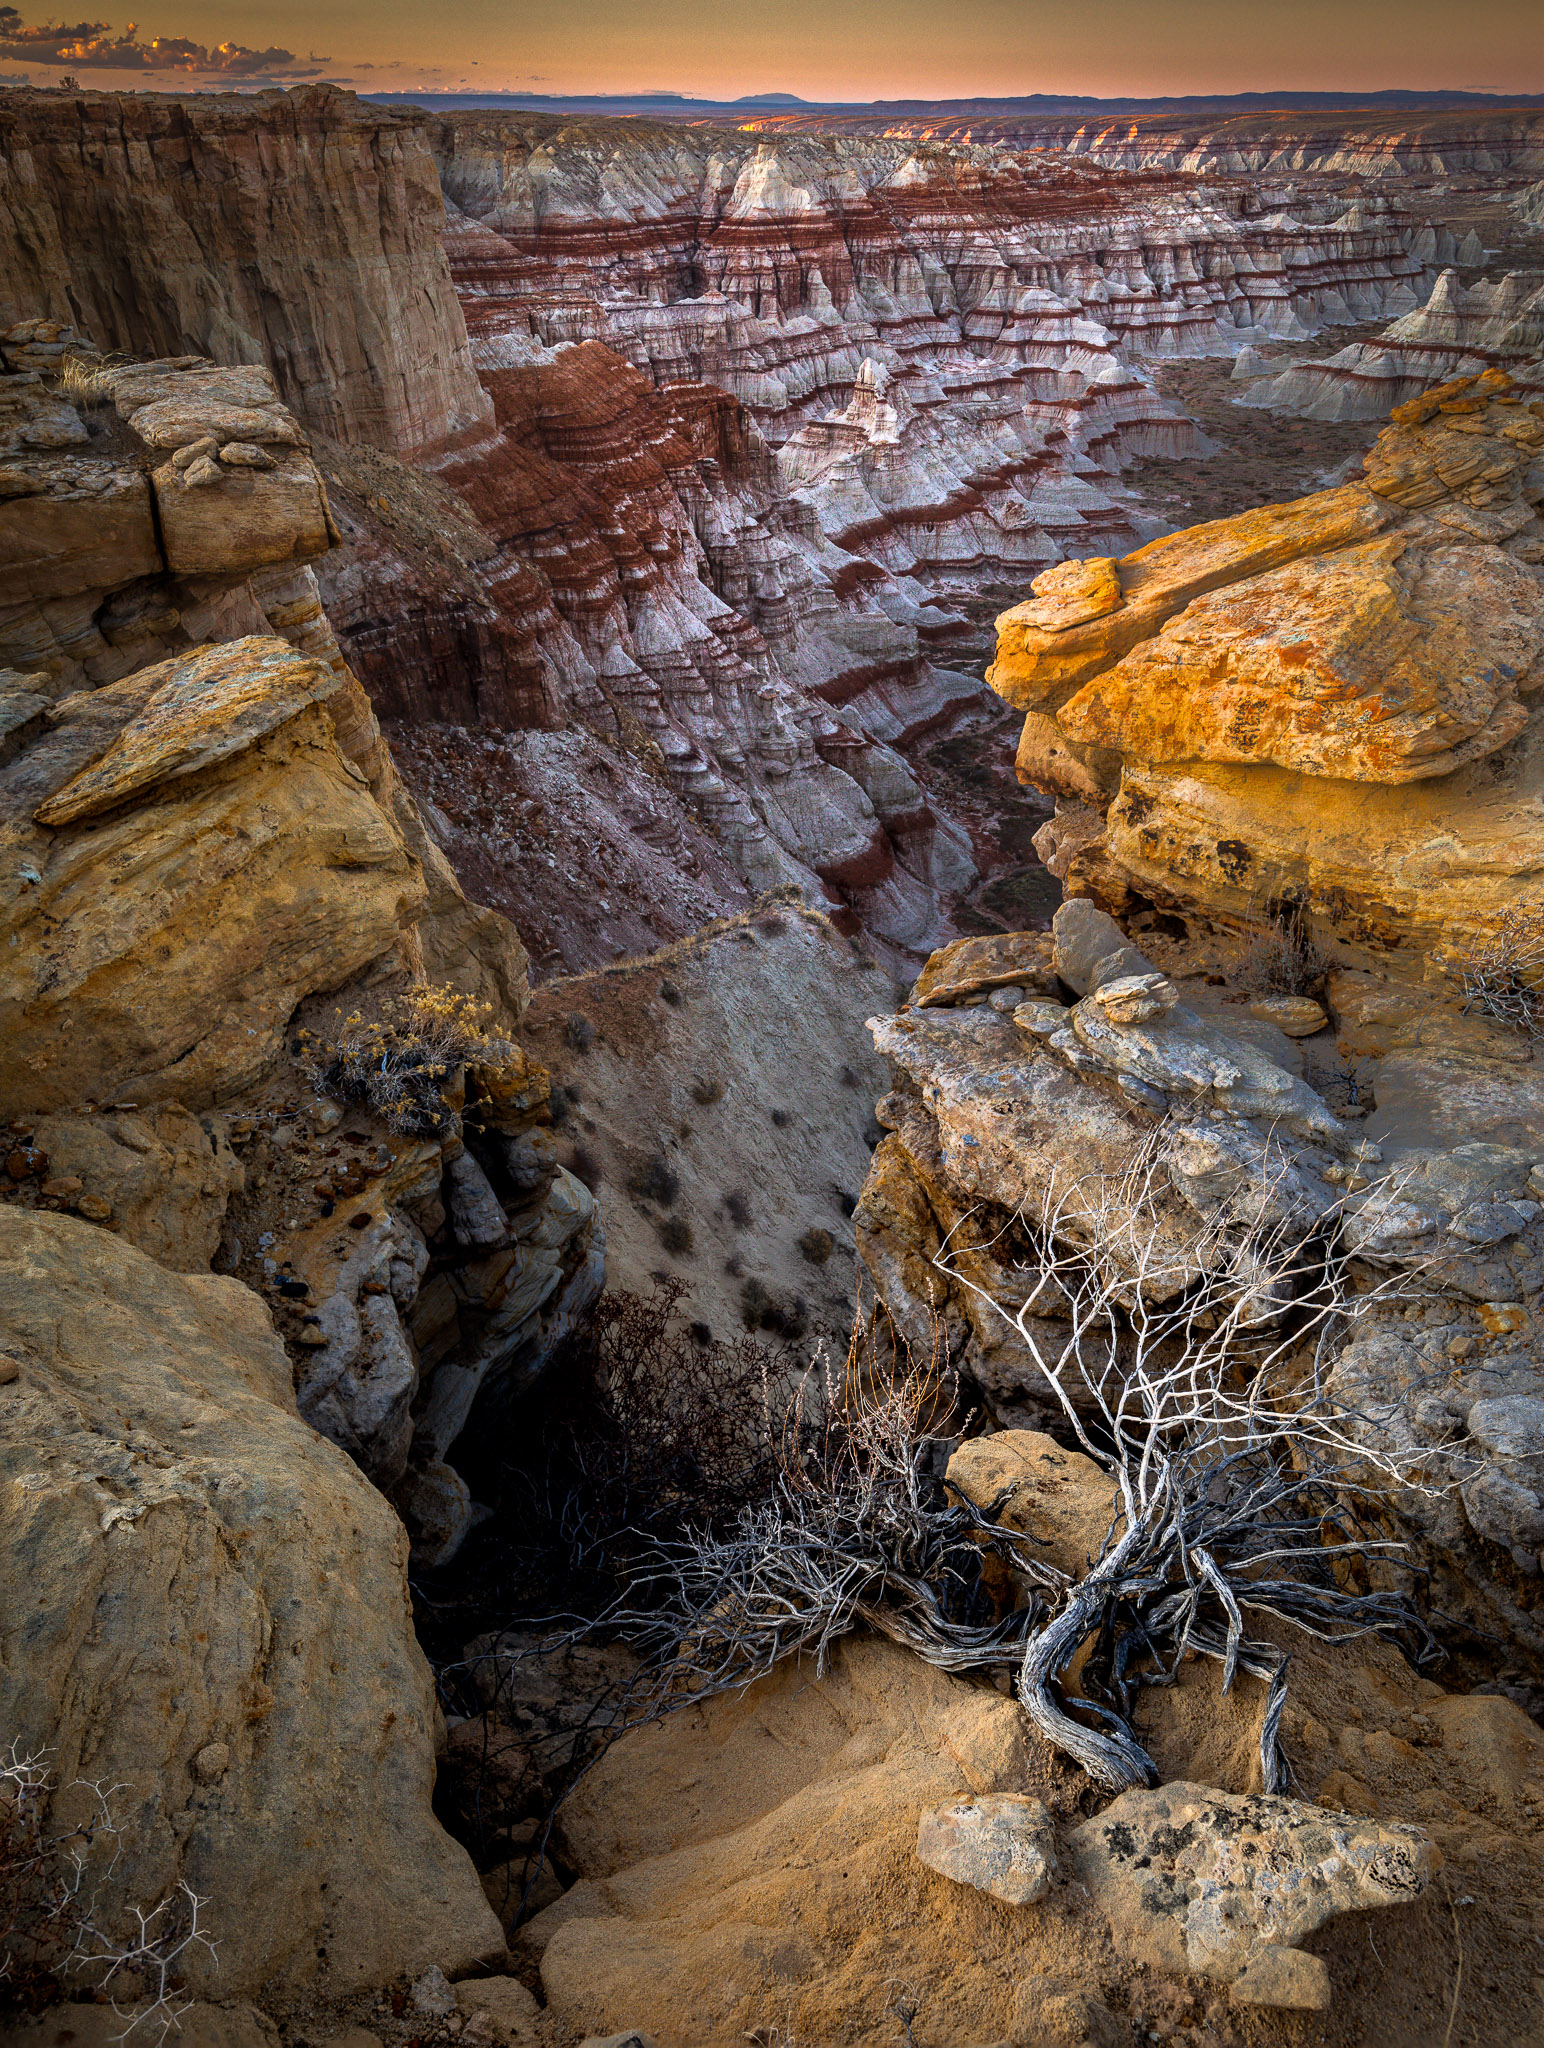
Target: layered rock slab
x=191, y=1570
x=1329, y=703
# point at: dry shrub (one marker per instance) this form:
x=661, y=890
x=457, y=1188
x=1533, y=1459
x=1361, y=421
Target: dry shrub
x=662, y=1428
x=62, y=1920
x=706, y=1090
x=656, y=1181
x=82, y=382
x=738, y=1204
x=1501, y=974
x=817, y=1245
x=1281, y=956
x=404, y=1063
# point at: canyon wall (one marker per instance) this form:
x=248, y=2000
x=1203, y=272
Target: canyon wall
x=1465, y=142
x=1492, y=323
x=298, y=230
x=1005, y=301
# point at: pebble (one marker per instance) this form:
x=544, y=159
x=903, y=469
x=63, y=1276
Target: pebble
x=211, y=1763
x=1502, y=1318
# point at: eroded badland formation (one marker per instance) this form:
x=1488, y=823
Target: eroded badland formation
x=523, y=930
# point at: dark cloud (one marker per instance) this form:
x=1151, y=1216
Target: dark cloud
x=92, y=46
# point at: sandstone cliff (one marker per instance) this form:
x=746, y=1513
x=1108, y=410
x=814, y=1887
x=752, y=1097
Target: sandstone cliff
x=180, y=712
x=298, y=231
x=1326, y=702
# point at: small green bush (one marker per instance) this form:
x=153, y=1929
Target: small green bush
x=675, y=1234
x=656, y=1182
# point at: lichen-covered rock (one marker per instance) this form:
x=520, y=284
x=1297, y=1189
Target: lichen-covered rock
x=1197, y=1882
x=186, y=1564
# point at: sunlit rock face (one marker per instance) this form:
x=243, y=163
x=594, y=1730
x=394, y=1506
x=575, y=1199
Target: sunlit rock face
x=1330, y=702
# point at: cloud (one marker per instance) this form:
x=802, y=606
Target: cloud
x=92, y=46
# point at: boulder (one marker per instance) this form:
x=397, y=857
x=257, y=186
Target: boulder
x=1199, y=1882
x=189, y=1569
x=164, y=1174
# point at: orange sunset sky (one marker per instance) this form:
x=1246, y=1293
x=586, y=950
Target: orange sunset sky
x=819, y=49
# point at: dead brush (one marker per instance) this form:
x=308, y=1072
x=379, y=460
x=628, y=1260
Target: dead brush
x=59, y=1919
x=1502, y=975
x=849, y=1526
x=1196, y=1372
x=1279, y=955
x=404, y=1063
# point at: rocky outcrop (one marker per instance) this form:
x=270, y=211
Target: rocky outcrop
x=294, y=231
x=206, y=1611
x=1327, y=703
x=181, y=714
x=1149, y=1119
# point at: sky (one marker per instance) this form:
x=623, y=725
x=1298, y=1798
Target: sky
x=819, y=49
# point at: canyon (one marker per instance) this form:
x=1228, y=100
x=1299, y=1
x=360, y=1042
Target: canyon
x=682, y=803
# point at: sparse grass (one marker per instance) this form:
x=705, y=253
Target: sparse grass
x=82, y=383
x=1281, y=956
